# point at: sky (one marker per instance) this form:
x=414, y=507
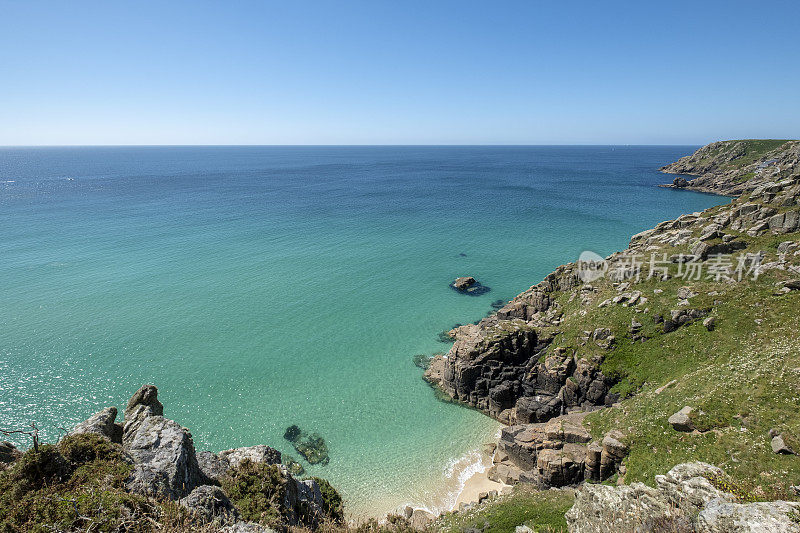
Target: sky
x=397, y=72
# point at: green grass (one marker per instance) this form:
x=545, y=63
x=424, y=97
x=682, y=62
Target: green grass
x=542, y=511
x=70, y=486
x=752, y=151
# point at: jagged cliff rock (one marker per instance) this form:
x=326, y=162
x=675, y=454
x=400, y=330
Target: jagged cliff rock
x=500, y=367
x=557, y=453
x=686, y=499
x=733, y=167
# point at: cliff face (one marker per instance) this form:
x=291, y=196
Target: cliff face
x=502, y=365
x=733, y=167
x=509, y=366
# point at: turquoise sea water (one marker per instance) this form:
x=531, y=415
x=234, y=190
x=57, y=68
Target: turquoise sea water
x=260, y=287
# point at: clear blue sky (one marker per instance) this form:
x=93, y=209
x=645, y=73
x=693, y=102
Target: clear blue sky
x=397, y=72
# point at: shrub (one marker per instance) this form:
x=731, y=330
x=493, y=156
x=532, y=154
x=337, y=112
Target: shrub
x=332, y=504
x=258, y=490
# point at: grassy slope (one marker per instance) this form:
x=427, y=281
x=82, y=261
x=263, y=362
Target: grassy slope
x=744, y=376
x=754, y=149
x=542, y=511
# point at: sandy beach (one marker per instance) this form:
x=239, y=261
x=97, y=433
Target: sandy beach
x=475, y=485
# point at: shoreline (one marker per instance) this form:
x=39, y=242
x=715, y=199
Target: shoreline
x=467, y=478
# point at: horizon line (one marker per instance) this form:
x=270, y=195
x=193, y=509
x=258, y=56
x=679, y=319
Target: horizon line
x=337, y=145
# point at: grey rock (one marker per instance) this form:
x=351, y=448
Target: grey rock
x=420, y=519
x=210, y=503
x=721, y=516
x=681, y=421
x=103, y=424
x=256, y=454
x=8, y=452
x=684, y=293
x=165, y=463
x=464, y=283
x=215, y=465
x=212, y=466
x=792, y=284
x=671, y=506
x=779, y=445
x=710, y=323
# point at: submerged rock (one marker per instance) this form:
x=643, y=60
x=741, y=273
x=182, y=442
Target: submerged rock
x=421, y=360
x=310, y=445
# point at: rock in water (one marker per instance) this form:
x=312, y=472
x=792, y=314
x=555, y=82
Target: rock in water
x=164, y=458
x=464, y=283
x=314, y=449
x=292, y=433
x=680, y=182
x=311, y=446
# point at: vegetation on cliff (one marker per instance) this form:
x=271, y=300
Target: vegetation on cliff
x=731, y=167
x=700, y=312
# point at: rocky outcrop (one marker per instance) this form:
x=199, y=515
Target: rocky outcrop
x=555, y=454
x=684, y=500
x=500, y=367
x=166, y=467
x=733, y=167
x=162, y=450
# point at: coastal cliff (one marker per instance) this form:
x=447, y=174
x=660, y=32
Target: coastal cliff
x=680, y=348
x=732, y=167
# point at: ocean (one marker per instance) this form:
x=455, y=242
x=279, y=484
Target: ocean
x=260, y=287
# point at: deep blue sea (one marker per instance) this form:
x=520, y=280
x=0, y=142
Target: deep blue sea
x=260, y=287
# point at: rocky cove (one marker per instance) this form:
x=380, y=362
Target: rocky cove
x=557, y=365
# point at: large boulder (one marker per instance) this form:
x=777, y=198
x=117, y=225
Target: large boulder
x=164, y=457
x=682, y=420
x=102, y=423
x=720, y=516
x=209, y=503
x=684, y=500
